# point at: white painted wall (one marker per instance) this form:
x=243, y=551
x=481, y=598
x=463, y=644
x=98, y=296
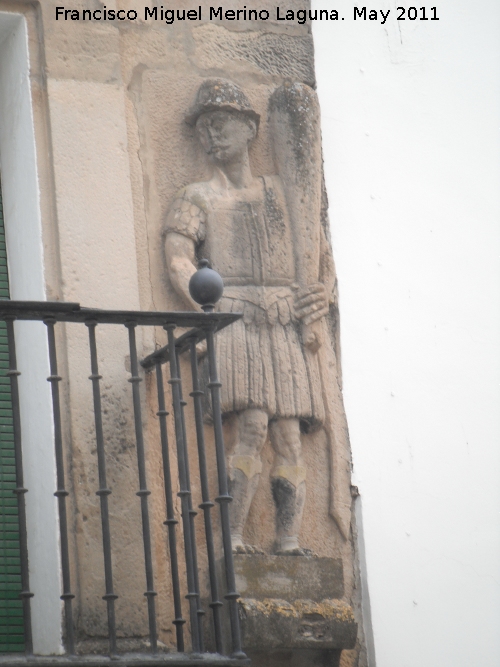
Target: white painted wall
x=25, y=257
x=411, y=114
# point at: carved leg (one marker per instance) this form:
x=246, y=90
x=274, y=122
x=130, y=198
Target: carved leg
x=288, y=485
x=245, y=466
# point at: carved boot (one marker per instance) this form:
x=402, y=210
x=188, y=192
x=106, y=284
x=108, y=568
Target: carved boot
x=289, y=493
x=243, y=482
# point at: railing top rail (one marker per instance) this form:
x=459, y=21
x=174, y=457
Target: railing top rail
x=62, y=311
x=182, y=344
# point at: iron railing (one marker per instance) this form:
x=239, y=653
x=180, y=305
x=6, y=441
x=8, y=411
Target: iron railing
x=201, y=327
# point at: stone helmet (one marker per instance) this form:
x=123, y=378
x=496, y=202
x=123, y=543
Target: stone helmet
x=215, y=94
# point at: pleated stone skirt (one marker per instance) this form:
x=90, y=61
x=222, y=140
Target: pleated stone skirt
x=263, y=364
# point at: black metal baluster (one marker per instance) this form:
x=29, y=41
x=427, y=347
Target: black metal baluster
x=20, y=491
x=171, y=520
x=143, y=492
x=184, y=493
x=206, y=504
x=224, y=498
x=61, y=492
x=103, y=491
x=192, y=514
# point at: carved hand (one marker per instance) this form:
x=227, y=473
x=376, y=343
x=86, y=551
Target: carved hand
x=201, y=349
x=311, y=303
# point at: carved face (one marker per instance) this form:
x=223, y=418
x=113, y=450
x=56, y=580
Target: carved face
x=225, y=135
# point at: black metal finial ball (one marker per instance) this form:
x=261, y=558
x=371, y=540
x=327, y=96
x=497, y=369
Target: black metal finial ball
x=206, y=286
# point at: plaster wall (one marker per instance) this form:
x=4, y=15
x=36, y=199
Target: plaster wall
x=411, y=142
x=21, y=200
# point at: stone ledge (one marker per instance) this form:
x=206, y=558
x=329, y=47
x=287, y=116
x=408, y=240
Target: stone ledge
x=288, y=577
x=278, y=624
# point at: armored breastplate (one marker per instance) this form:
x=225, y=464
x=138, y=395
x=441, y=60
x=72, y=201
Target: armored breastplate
x=249, y=242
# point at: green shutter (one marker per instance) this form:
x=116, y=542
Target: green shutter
x=11, y=615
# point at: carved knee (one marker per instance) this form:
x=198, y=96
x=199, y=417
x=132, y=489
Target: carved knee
x=293, y=474
x=285, y=436
x=249, y=465
x=252, y=432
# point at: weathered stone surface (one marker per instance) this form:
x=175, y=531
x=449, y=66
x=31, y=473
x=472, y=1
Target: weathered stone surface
x=266, y=52
x=272, y=624
x=109, y=101
x=290, y=578
x=264, y=235
x=312, y=619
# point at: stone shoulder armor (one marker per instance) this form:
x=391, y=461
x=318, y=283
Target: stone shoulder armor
x=186, y=216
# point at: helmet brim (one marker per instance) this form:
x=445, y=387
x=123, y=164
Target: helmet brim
x=199, y=110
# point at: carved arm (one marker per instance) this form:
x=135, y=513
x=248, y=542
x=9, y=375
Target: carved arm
x=180, y=257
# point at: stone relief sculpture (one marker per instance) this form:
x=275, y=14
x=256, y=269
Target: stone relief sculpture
x=263, y=234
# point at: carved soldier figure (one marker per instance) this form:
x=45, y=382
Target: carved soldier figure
x=271, y=380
